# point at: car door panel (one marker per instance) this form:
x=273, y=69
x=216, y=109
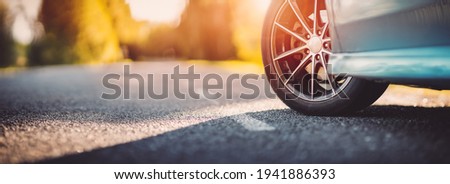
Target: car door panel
x=370, y=25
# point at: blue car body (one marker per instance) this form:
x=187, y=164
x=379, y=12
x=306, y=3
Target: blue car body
x=399, y=41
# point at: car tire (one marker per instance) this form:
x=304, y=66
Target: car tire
x=328, y=95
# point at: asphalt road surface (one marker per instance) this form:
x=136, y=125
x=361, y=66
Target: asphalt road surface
x=56, y=115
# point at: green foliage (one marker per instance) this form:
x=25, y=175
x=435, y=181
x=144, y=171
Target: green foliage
x=161, y=42
x=51, y=50
x=76, y=31
x=7, y=46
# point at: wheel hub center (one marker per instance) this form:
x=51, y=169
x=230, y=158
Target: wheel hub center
x=315, y=44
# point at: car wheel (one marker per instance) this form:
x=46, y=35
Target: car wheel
x=296, y=47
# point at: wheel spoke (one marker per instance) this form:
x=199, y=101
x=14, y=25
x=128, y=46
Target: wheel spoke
x=324, y=31
x=291, y=32
x=330, y=77
x=299, y=15
x=290, y=52
x=313, y=72
x=313, y=31
x=297, y=69
x=327, y=52
x=315, y=17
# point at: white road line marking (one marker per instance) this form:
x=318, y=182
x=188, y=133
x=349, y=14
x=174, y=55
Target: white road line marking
x=253, y=124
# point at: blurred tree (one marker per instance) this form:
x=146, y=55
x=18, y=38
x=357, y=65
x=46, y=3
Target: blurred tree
x=161, y=42
x=129, y=31
x=80, y=31
x=126, y=27
x=247, y=27
x=7, y=45
x=205, y=31
x=76, y=31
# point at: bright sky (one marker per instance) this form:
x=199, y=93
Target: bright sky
x=157, y=10
x=21, y=28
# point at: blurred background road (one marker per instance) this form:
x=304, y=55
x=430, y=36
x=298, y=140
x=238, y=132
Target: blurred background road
x=55, y=115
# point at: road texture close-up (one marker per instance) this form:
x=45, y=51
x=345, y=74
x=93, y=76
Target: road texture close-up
x=56, y=115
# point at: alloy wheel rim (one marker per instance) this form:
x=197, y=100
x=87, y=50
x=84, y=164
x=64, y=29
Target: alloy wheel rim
x=301, y=47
